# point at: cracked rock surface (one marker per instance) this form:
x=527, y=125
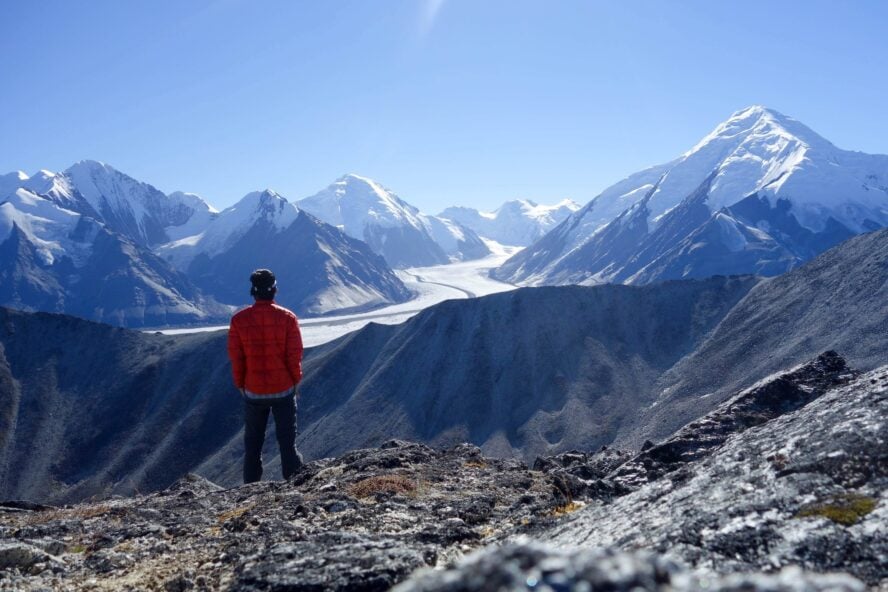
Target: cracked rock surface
x=798, y=479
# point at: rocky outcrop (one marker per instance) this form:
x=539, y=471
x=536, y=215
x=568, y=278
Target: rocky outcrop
x=763, y=482
x=611, y=472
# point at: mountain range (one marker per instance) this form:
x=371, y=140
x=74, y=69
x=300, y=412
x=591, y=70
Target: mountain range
x=88, y=409
x=760, y=194
x=519, y=222
x=97, y=243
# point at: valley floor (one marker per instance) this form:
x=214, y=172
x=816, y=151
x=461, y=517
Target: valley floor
x=466, y=279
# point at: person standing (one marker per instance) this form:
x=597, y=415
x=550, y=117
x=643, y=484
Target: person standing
x=265, y=348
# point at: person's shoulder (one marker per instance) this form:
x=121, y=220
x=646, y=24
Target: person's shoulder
x=284, y=311
x=241, y=313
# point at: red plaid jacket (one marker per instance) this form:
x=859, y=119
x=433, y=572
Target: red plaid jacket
x=265, y=347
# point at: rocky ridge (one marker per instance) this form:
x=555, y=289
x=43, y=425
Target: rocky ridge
x=790, y=472
x=765, y=481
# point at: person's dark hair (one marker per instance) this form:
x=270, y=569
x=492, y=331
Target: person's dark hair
x=264, y=284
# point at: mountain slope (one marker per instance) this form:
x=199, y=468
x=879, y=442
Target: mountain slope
x=837, y=301
x=319, y=268
x=519, y=222
x=775, y=194
x=99, y=409
x=534, y=371
x=365, y=210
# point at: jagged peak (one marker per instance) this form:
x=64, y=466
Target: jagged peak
x=265, y=194
x=91, y=166
x=192, y=199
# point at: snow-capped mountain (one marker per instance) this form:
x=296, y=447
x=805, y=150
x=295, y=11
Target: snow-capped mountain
x=135, y=209
x=94, y=242
x=58, y=260
x=319, y=268
x=761, y=194
x=518, y=222
x=398, y=231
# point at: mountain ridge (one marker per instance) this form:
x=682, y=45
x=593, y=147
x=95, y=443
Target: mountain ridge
x=523, y=373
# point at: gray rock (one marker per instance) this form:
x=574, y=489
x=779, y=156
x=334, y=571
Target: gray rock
x=15, y=554
x=531, y=566
x=334, y=561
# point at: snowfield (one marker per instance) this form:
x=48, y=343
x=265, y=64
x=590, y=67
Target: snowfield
x=434, y=284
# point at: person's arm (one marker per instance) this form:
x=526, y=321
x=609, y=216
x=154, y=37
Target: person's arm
x=237, y=356
x=293, y=351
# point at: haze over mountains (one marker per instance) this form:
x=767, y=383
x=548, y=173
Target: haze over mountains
x=761, y=194
x=519, y=222
x=89, y=409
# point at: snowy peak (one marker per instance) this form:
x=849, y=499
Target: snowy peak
x=790, y=193
x=364, y=209
x=761, y=121
x=759, y=150
x=352, y=201
x=192, y=200
x=225, y=228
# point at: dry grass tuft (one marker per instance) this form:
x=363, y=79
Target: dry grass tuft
x=475, y=464
x=565, y=509
x=235, y=513
x=79, y=513
x=370, y=486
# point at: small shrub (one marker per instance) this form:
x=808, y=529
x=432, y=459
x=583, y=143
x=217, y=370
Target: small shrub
x=845, y=509
x=370, y=486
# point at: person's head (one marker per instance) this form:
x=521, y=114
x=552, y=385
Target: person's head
x=264, y=285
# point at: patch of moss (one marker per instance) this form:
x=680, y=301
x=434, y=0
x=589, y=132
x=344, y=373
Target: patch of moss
x=846, y=509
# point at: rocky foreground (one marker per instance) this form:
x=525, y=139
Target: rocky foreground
x=779, y=484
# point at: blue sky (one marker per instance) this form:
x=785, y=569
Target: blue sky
x=446, y=102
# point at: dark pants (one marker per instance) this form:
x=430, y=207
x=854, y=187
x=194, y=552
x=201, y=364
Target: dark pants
x=255, y=419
